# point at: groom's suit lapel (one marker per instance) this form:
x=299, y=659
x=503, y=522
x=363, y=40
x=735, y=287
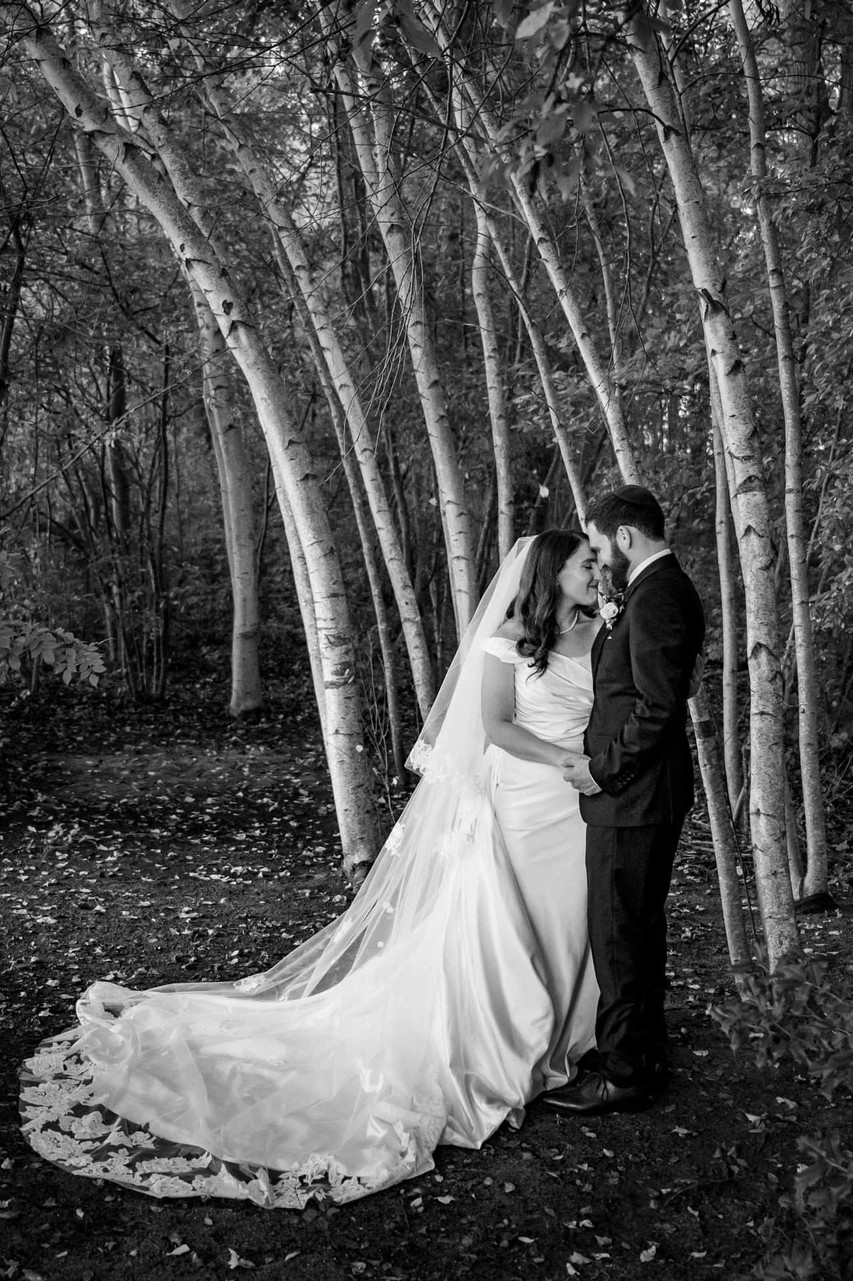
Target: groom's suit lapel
x=665, y=562
x=597, y=647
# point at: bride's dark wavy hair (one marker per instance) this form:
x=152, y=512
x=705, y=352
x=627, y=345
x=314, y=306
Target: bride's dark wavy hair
x=535, y=606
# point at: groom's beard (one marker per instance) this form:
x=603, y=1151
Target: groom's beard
x=616, y=574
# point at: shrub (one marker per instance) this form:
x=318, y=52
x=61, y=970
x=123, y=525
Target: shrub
x=797, y=1014
x=24, y=645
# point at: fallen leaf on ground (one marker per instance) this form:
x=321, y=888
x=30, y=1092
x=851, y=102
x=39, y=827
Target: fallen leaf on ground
x=234, y=1260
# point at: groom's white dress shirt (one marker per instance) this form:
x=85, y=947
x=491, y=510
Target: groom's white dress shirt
x=638, y=569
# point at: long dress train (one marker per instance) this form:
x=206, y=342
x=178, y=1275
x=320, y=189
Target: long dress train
x=456, y=987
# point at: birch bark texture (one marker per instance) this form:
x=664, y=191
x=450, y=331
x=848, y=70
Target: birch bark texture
x=729, y=609
x=480, y=272
x=238, y=508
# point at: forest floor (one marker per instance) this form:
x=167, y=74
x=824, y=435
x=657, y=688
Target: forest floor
x=166, y=844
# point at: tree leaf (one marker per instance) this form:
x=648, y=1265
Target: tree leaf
x=534, y=22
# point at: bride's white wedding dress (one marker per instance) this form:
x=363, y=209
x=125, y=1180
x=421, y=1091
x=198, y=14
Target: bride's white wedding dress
x=456, y=988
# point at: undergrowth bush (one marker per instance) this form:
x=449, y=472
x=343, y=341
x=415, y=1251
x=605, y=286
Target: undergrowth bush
x=800, y=1015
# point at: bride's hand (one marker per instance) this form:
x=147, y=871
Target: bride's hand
x=576, y=771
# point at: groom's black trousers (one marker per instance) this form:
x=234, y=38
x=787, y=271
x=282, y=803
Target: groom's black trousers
x=628, y=873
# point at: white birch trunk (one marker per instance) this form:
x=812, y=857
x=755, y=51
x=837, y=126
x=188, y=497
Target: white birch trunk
x=792, y=836
x=480, y=271
x=808, y=700
x=610, y=300
x=238, y=510
x=749, y=504
x=296, y=483
x=305, y=600
x=728, y=612
x=722, y=834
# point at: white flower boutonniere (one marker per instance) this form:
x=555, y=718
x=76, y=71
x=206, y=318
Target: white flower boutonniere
x=610, y=611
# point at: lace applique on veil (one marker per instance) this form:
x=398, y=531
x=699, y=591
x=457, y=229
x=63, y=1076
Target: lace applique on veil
x=64, y=1122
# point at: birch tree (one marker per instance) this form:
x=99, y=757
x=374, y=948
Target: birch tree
x=238, y=508
x=480, y=272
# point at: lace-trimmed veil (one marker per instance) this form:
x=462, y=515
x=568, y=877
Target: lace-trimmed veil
x=447, y=812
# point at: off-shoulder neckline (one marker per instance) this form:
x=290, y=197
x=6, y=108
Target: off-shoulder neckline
x=583, y=660
x=580, y=659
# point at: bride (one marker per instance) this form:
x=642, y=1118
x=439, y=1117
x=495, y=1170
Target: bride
x=456, y=987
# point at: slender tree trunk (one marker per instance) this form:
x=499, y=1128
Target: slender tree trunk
x=117, y=513
x=722, y=834
x=119, y=482
x=480, y=271
x=729, y=609
x=808, y=700
x=238, y=510
x=749, y=502
x=844, y=19
x=305, y=599
x=610, y=299
x=154, y=486
x=10, y=300
x=792, y=836
x=296, y=483
x=808, y=101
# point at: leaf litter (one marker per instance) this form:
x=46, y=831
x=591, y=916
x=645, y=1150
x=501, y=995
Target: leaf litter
x=130, y=814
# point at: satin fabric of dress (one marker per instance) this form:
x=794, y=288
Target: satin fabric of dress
x=544, y=836
x=439, y=1038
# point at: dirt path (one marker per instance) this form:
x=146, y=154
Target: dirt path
x=168, y=848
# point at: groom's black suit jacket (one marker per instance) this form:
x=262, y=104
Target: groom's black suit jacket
x=636, y=738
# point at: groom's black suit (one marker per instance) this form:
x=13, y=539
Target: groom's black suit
x=639, y=756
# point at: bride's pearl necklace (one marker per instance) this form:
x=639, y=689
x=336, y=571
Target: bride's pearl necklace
x=564, y=631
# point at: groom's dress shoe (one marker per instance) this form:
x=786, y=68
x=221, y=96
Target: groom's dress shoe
x=595, y=1093
x=659, y=1078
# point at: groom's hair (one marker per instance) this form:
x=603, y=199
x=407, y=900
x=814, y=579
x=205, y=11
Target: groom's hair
x=632, y=505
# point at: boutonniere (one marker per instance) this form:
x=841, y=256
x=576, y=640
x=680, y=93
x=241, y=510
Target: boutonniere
x=610, y=611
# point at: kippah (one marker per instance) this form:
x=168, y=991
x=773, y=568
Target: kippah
x=636, y=496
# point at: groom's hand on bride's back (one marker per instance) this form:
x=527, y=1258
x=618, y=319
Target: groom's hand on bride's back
x=576, y=771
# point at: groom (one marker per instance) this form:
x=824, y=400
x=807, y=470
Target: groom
x=636, y=780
